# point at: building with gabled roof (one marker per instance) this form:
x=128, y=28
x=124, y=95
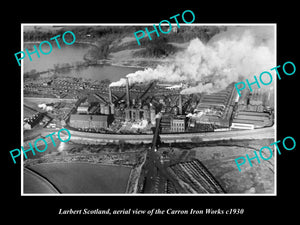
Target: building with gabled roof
x=90, y=121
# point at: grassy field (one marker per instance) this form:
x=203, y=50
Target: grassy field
x=85, y=177
x=219, y=158
x=220, y=161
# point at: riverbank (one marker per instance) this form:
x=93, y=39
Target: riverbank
x=121, y=58
x=127, y=58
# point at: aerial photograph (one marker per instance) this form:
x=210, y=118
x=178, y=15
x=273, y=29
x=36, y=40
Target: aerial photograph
x=162, y=117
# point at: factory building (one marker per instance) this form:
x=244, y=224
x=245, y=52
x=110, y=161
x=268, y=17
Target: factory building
x=95, y=109
x=251, y=120
x=105, y=109
x=133, y=114
x=165, y=123
x=253, y=101
x=213, y=111
x=102, y=108
x=83, y=108
x=119, y=114
x=217, y=101
x=90, y=121
x=171, y=123
x=178, y=124
x=29, y=123
x=135, y=111
x=202, y=112
x=253, y=110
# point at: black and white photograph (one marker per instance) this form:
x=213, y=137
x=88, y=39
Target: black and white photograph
x=145, y=112
x=158, y=114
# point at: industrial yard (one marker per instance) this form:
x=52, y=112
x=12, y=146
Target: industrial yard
x=132, y=108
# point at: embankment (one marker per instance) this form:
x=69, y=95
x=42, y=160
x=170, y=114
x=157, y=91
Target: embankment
x=176, y=137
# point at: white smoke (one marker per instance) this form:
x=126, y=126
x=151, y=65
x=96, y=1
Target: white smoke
x=231, y=56
x=118, y=83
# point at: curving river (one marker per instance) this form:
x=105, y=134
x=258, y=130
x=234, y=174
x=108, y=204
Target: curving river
x=70, y=56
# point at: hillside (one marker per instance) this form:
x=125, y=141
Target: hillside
x=117, y=44
x=126, y=51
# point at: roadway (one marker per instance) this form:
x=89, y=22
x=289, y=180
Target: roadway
x=156, y=173
x=46, y=100
x=261, y=133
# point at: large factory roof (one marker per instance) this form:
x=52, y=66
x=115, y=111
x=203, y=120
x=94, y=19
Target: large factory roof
x=206, y=105
x=219, y=99
x=88, y=117
x=216, y=108
x=259, y=114
x=255, y=118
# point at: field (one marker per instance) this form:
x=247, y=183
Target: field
x=84, y=177
x=82, y=168
x=35, y=184
x=219, y=158
x=220, y=161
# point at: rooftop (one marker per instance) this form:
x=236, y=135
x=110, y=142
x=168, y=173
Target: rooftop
x=88, y=117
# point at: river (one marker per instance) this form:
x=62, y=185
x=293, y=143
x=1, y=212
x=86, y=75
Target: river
x=70, y=55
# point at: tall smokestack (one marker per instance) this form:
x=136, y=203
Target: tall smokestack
x=127, y=93
x=109, y=95
x=180, y=104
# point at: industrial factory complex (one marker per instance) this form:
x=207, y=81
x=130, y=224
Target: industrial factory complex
x=133, y=109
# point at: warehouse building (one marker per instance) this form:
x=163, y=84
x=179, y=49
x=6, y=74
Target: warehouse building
x=90, y=121
x=251, y=120
x=217, y=101
x=214, y=110
x=255, y=101
x=83, y=108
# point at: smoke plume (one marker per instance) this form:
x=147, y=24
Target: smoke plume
x=231, y=56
